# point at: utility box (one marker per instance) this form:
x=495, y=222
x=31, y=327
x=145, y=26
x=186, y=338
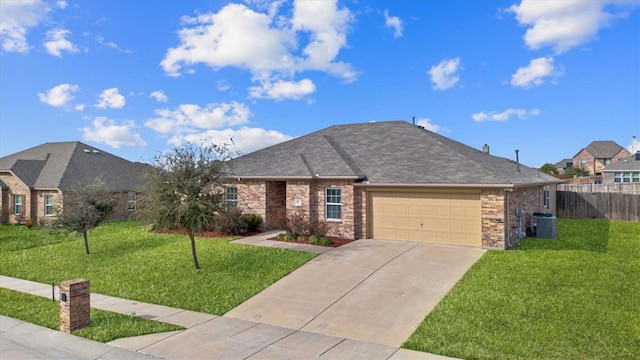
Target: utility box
x=75, y=305
x=544, y=226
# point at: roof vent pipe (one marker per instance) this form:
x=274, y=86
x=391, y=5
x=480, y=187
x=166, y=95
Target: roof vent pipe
x=485, y=149
x=517, y=160
x=414, y=120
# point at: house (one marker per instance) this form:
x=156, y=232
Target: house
x=626, y=170
x=599, y=154
x=563, y=165
x=393, y=180
x=33, y=181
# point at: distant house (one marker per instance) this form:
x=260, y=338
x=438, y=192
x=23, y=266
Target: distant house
x=626, y=170
x=563, y=165
x=598, y=155
x=33, y=181
x=392, y=180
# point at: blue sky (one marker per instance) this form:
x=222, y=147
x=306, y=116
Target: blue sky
x=135, y=77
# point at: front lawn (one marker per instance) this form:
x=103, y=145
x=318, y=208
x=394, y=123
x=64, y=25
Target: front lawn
x=129, y=262
x=577, y=297
x=104, y=325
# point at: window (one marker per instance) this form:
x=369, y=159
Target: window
x=131, y=200
x=626, y=177
x=231, y=198
x=607, y=161
x=583, y=162
x=333, y=201
x=546, y=197
x=18, y=201
x=48, y=205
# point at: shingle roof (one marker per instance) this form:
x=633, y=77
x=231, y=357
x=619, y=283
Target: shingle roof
x=563, y=163
x=393, y=152
x=61, y=165
x=630, y=163
x=603, y=149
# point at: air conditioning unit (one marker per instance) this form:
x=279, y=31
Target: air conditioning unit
x=544, y=226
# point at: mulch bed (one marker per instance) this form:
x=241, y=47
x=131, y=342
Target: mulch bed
x=209, y=234
x=335, y=241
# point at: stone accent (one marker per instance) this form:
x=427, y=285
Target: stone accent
x=594, y=165
x=359, y=213
x=75, y=311
x=15, y=187
x=493, y=226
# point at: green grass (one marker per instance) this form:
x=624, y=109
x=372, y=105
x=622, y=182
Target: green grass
x=129, y=262
x=577, y=297
x=104, y=326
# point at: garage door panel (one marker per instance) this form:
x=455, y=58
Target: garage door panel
x=449, y=218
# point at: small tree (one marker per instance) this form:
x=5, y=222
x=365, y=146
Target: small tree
x=576, y=171
x=184, y=190
x=85, y=206
x=550, y=169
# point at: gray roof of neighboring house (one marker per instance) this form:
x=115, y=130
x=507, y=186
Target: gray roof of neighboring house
x=563, y=163
x=61, y=165
x=603, y=149
x=393, y=152
x=630, y=163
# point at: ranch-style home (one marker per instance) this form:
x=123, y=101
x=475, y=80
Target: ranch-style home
x=393, y=180
x=33, y=182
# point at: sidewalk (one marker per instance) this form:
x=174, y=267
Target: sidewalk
x=206, y=336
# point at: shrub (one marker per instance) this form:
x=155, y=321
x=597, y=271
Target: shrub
x=281, y=236
x=298, y=224
x=314, y=239
x=230, y=222
x=303, y=238
x=325, y=241
x=320, y=228
x=253, y=221
x=289, y=237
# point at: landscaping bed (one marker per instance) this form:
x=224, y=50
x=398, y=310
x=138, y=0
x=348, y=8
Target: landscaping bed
x=332, y=240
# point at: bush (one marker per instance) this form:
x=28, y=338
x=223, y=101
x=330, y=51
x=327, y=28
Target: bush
x=320, y=228
x=281, y=236
x=325, y=241
x=298, y=224
x=303, y=238
x=230, y=222
x=289, y=237
x=253, y=221
x=314, y=240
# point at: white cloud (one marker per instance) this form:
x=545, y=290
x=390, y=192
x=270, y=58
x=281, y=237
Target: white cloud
x=159, y=95
x=565, y=24
x=16, y=18
x=79, y=107
x=56, y=42
x=282, y=89
x=238, y=142
x=59, y=95
x=61, y=4
x=111, y=98
x=106, y=131
x=444, y=75
x=189, y=117
x=394, y=23
x=223, y=85
x=265, y=44
x=110, y=44
x=427, y=124
x=535, y=73
x=505, y=115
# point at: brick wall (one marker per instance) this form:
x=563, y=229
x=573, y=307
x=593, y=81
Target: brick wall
x=38, y=209
x=345, y=227
x=276, y=204
x=594, y=165
x=15, y=187
x=493, y=204
x=359, y=212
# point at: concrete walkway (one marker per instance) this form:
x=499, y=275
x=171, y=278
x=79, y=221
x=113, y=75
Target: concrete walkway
x=252, y=332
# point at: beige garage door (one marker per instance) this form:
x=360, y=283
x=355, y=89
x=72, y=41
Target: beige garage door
x=447, y=218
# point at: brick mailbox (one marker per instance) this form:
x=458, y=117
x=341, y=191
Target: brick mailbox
x=75, y=306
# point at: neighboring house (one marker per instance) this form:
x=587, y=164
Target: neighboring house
x=563, y=165
x=626, y=170
x=599, y=154
x=33, y=181
x=392, y=180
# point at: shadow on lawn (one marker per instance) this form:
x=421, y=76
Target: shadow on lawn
x=574, y=234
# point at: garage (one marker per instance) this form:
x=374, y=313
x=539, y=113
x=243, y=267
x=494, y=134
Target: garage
x=446, y=217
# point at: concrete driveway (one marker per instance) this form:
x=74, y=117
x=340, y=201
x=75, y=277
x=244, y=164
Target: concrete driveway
x=371, y=290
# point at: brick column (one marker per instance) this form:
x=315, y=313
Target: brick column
x=75, y=305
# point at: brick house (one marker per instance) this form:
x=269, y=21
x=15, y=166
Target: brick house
x=598, y=155
x=626, y=170
x=33, y=181
x=393, y=180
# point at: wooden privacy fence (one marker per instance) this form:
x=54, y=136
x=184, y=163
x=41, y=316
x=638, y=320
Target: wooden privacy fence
x=627, y=188
x=598, y=204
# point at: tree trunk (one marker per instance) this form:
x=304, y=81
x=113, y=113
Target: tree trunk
x=193, y=250
x=86, y=242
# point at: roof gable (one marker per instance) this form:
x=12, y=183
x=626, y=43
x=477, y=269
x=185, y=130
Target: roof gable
x=631, y=163
x=393, y=152
x=603, y=149
x=62, y=165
